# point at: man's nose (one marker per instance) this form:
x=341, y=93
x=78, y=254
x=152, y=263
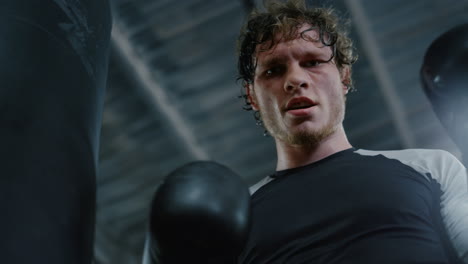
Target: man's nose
x=296, y=78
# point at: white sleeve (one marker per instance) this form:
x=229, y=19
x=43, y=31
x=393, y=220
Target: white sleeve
x=454, y=202
x=255, y=187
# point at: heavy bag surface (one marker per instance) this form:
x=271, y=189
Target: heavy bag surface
x=53, y=74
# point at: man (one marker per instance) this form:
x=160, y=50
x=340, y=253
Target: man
x=328, y=202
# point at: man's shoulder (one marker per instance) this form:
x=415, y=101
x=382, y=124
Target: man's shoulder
x=435, y=161
x=413, y=156
x=409, y=153
x=259, y=184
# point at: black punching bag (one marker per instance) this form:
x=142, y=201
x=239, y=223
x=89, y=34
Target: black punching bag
x=53, y=74
x=444, y=76
x=199, y=215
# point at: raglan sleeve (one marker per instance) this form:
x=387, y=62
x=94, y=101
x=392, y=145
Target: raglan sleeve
x=453, y=180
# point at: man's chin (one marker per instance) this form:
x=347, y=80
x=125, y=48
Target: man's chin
x=309, y=137
x=303, y=134
x=303, y=139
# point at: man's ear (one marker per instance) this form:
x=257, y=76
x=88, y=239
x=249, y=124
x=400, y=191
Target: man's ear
x=249, y=91
x=346, y=79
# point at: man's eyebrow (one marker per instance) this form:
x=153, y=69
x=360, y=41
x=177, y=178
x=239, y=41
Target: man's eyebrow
x=272, y=61
x=314, y=54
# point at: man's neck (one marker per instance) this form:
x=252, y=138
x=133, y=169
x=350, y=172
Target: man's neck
x=292, y=156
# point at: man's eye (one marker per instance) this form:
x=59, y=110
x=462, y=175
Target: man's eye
x=311, y=63
x=273, y=71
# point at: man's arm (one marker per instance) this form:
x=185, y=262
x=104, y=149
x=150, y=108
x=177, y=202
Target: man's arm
x=450, y=174
x=453, y=180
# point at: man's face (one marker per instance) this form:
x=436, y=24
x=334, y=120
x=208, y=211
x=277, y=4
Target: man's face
x=300, y=96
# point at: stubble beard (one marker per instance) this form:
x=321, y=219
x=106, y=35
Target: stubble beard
x=306, y=137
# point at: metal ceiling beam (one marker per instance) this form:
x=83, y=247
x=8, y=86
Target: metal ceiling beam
x=157, y=95
x=384, y=80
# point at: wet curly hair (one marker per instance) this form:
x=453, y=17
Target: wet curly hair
x=285, y=19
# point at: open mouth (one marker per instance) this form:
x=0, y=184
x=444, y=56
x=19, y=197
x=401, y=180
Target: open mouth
x=300, y=106
x=300, y=103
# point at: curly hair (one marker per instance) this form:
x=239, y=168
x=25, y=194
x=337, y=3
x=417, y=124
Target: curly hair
x=261, y=29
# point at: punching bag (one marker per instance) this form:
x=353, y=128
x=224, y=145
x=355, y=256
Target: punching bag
x=199, y=215
x=444, y=77
x=54, y=56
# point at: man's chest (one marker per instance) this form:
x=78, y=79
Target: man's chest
x=335, y=203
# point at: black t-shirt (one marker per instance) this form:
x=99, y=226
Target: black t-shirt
x=358, y=206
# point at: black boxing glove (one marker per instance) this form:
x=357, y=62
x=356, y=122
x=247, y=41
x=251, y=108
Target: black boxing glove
x=200, y=214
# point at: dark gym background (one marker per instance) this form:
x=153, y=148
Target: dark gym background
x=172, y=98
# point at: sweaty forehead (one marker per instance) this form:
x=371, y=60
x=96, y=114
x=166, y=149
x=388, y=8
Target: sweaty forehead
x=309, y=33
x=307, y=37
x=305, y=32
